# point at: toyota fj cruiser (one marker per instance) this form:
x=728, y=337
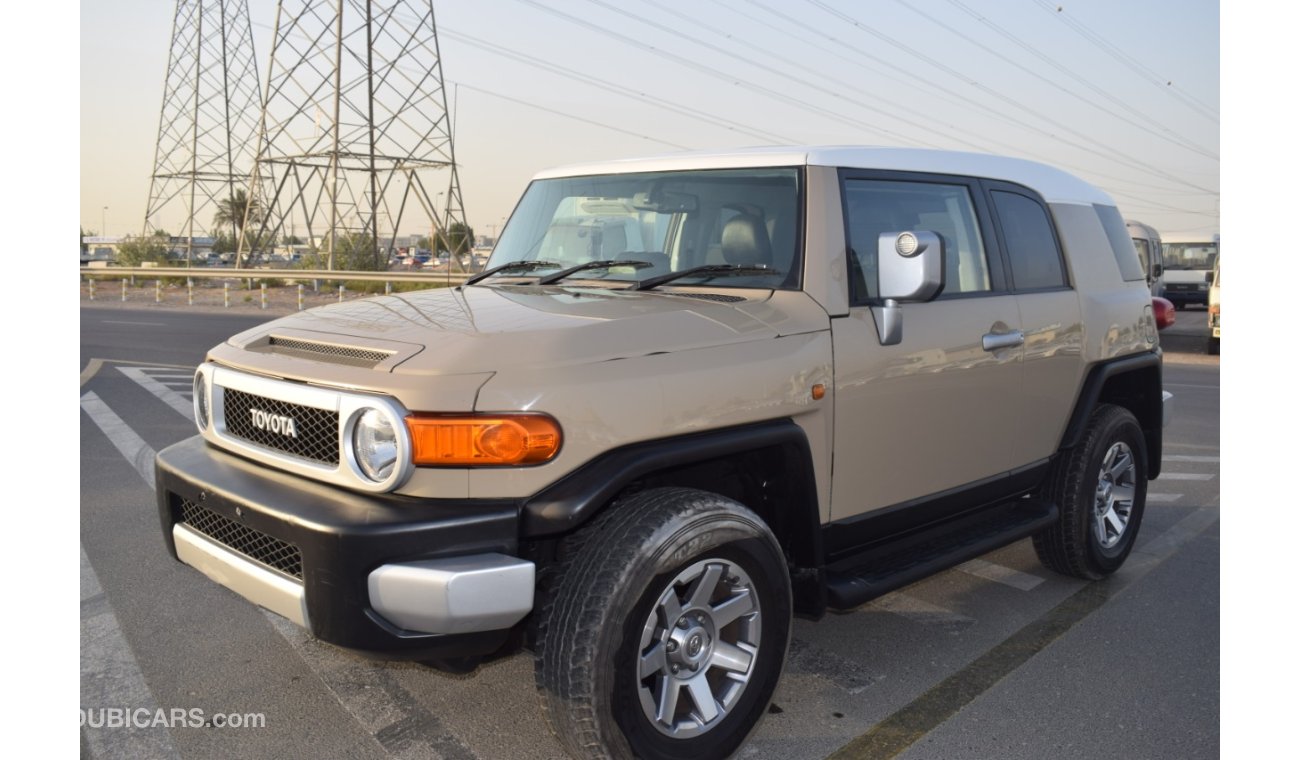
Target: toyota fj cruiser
x=690, y=397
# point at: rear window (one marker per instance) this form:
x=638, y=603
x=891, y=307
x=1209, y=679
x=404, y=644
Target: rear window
x=1031, y=246
x=1120, y=243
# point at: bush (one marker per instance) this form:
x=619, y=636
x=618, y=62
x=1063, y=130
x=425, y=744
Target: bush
x=134, y=251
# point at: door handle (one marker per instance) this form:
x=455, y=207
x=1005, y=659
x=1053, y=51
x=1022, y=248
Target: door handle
x=994, y=341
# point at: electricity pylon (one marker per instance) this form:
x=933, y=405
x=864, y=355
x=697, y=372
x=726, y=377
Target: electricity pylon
x=354, y=125
x=208, y=124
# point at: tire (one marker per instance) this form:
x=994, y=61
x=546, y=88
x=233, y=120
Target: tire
x=1090, y=483
x=605, y=622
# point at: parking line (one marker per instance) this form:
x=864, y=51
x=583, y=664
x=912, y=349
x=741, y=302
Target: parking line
x=921, y=611
x=111, y=678
x=903, y=729
x=1185, y=476
x=120, y=434
x=166, y=395
x=1001, y=574
x=1163, y=498
x=1187, y=458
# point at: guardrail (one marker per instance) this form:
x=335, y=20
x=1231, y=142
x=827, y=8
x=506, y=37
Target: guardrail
x=153, y=273
x=250, y=277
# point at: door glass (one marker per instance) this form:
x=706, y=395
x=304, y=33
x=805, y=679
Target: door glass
x=878, y=206
x=1035, y=260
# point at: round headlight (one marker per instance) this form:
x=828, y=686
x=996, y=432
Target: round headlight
x=201, y=401
x=374, y=445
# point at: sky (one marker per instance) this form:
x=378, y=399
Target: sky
x=1084, y=86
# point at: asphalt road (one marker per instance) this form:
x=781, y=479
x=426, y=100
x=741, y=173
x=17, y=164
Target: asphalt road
x=997, y=658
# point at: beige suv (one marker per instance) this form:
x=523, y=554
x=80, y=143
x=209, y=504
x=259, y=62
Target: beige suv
x=691, y=397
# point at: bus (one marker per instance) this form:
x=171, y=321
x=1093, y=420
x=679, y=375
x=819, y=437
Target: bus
x=1150, y=254
x=1189, y=267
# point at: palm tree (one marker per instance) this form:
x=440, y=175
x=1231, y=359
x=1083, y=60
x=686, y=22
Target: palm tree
x=236, y=211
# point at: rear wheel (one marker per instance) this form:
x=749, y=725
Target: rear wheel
x=1100, y=486
x=664, y=633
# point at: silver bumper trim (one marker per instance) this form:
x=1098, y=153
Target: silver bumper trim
x=482, y=592
x=1167, y=402
x=259, y=585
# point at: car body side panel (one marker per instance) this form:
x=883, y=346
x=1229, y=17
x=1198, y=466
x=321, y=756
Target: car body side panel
x=1053, y=365
x=606, y=405
x=1117, y=315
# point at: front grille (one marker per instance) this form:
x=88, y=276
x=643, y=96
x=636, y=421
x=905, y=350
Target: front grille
x=357, y=357
x=254, y=544
x=316, y=431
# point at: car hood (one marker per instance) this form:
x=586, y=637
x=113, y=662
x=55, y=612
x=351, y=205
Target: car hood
x=490, y=328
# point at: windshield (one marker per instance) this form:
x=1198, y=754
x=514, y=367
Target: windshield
x=1190, y=255
x=672, y=221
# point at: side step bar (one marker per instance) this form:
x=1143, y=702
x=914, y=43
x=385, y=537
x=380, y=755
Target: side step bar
x=893, y=564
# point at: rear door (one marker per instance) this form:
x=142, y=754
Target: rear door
x=1050, y=316
x=939, y=410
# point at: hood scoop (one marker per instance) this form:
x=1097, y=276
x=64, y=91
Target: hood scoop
x=321, y=351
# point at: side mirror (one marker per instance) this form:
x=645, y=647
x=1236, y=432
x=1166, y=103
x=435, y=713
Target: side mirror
x=1209, y=277
x=1157, y=270
x=911, y=270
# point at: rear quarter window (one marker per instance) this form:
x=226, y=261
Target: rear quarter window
x=1120, y=243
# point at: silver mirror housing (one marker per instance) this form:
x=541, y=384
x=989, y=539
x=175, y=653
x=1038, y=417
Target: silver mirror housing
x=911, y=265
x=911, y=269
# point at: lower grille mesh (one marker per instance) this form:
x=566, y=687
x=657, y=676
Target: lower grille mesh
x=254, y=544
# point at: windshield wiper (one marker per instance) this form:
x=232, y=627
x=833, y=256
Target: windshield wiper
x=607, y=264
x=527, y=266
x=708, y=271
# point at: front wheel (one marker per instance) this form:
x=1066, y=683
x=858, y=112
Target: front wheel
x=664, y=633
x=1100, y=487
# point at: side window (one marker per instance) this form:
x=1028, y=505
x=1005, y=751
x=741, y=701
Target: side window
x=1031, y=247
x=877, y=206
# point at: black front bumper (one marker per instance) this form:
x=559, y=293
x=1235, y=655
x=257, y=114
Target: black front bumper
x=342, y=536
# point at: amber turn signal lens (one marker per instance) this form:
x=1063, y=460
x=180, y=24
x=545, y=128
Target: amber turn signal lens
x=445, y=440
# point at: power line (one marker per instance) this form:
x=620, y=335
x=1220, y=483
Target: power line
x=1164, y=84
x=1108, y=153
x=1171, y=136
x=621, y=90
x=572, y=116
x=709, y=71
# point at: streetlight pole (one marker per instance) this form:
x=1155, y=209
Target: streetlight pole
x=103, y=221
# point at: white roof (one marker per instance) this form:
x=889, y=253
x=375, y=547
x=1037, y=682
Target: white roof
x=1054, y=185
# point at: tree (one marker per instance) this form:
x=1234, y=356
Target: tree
x=460, y=237
x=134, y=251
x=356, y=252
x=235, y=211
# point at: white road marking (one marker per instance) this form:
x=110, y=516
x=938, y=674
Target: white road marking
x=166, y=395
x=920, y=611
x=1001, y=574
x=1187, y=458
x=1163, y=498
x=111, y=678
x=1185, y=476
x=110, y=675
x=123, y=438
x=121, y=322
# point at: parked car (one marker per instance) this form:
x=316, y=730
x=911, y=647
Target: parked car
x=803, y=378
x=1215, y=307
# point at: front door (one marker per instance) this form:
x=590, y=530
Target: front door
x=941, y=409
